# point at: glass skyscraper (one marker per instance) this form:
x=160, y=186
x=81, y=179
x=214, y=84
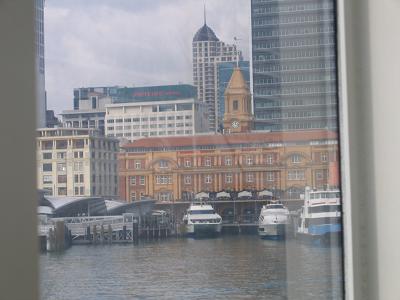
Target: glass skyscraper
x=294, y=64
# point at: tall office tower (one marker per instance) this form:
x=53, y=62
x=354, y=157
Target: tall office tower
x=40, y=76
x=294, y=64
x=208, y=51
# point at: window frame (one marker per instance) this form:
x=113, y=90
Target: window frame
x=357, y=135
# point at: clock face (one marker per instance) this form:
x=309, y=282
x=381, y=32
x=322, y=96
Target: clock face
x=235, y=124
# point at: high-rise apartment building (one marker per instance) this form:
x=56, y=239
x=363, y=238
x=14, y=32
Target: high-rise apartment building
x=40, y=76
x=207, y=52
x=294, y=64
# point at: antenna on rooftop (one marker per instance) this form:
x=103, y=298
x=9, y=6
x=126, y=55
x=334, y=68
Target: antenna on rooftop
x=205, y=15
x=236, y=50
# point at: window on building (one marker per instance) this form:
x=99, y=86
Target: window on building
x=249, y=160
x=142, y=180
x=269, y=159
x=61, y=144
x=78, y=144
x=296, y=158
x=47, y=155
x=164, y=179
x=207, y=162
x=296, y=175
x=324, y=157
x=78, y=166
x=188, y=179
x=235, y=105
x=228, y=178
x=207, y=179
x=138, y=164
x=62, y=167
x=78, y=154
x=228, y=160
x=62, y=191
x=47, y=179
x=61, y=155
x=270, y=176
x=163, y=164
x=81, y=190
x=188, y=163
x=249, y=177
x=76, y=190
x=133, y=180
x=47, y=167
x=133, y=196
x=94, y=103
x=62, y=178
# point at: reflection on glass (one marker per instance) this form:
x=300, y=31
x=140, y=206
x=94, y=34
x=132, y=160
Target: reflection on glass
x=224, y=185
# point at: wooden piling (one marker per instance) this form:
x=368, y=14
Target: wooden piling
x=51, y=240
x=110, y=234
x=124, y=232
x=94, y=234
x=102, y=233
x=60, y=236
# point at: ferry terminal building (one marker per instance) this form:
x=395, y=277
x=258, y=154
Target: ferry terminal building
x=175, y=169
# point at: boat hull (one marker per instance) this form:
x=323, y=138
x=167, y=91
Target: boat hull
x=272, y=231
x=203, y=229
x=328, y=234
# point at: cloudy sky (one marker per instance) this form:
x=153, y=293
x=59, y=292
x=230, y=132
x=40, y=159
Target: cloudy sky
x=130, y=42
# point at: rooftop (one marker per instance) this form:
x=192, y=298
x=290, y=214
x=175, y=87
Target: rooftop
x=205, y=33
x=215, y=140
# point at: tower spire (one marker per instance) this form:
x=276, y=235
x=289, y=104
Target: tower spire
x=205, y=16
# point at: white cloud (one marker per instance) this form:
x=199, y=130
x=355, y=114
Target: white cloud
x=96, y=43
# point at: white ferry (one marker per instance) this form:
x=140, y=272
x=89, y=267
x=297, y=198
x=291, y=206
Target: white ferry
x=273, y=220
x=201, y=219
x=320, y=217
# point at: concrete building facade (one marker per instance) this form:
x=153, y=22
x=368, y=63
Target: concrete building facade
x=294, y=64
x=132, y=121
x=76, y=162
x=208, y=51
x=90, y=102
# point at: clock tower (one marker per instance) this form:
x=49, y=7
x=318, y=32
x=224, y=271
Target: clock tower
x=237, y=117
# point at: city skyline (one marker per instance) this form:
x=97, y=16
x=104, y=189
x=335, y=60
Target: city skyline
x=127, y=52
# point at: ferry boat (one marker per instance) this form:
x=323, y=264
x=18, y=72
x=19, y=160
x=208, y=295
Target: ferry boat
x=320, y=217
x=201, y=219
x=273, y=220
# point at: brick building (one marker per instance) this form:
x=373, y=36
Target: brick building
x=177, y=168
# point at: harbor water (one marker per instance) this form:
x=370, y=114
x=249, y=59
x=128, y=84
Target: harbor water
x=227, y=267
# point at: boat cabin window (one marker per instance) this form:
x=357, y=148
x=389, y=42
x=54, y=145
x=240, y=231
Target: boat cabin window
x=275, y=206
x=202, y=212
x=323, y=221
x=324, y=208
x=329, y=195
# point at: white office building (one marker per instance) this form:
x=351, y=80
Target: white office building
x=131, y=121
